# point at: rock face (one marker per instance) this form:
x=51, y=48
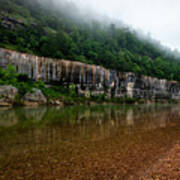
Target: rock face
x=7, y=95
x=34, y=98
x=90, y=79
x=9, y=22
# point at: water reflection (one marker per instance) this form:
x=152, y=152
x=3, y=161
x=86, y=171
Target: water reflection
x=103, y=136
x=100, y=121
x=122, y=115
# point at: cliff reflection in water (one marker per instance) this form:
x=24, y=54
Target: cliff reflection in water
x=87, y=122
x=99, y=142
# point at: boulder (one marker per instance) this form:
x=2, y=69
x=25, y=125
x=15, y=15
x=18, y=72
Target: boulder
x=34, y=98
x=7, y=95
x=56, y=102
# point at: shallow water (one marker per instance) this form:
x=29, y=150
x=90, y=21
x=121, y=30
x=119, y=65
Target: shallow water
x=99, y=142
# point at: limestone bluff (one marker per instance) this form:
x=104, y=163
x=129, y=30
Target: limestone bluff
x=90, y=78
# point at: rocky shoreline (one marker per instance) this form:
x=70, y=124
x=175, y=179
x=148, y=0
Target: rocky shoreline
x=90, y=79
x=7, y=95
x=10, y=96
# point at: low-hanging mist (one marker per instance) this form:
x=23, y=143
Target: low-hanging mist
x=72, y=30
x=106, y=13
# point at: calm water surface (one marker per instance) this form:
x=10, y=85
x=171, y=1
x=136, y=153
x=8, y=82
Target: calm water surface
x=99, y=142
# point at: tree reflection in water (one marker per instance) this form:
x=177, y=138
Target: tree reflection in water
x=109, y=135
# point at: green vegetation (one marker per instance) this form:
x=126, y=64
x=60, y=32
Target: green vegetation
x=9, y=76
x=48, y=32
x=68, y=95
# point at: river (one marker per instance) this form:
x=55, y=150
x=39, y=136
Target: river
x=98, y=142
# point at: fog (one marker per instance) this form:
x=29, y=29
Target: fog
x=157, y=19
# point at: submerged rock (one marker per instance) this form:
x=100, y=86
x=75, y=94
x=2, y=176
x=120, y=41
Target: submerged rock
x=34, y=98
x=7, y=95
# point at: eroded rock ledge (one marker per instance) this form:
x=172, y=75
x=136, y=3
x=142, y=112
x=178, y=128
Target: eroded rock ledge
x=90, y=78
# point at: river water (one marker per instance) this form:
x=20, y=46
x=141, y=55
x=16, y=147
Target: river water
x=98, y=142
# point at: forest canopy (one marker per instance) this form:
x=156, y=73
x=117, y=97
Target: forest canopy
x=44, y=30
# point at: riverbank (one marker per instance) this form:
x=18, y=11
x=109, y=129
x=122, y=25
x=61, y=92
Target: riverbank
x=10, y=96
x=75, y=80
x=18, y=89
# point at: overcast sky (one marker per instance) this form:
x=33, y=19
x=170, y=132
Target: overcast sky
x=160, y=18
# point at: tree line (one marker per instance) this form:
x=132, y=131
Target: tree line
x=52, y=34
